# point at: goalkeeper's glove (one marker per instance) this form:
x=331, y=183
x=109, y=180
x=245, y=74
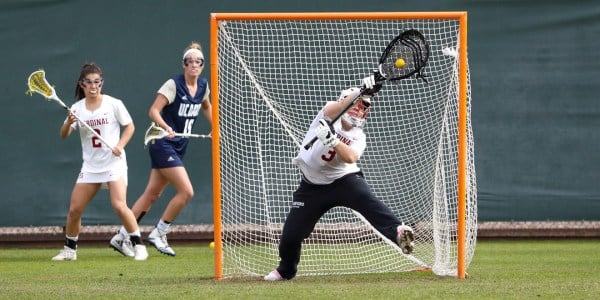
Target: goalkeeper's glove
x=371, y=85
x=326, y=134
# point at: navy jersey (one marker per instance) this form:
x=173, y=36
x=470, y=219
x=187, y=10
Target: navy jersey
x=180, y=114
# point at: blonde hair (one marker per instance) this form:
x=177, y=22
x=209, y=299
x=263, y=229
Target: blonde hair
x=193, y=45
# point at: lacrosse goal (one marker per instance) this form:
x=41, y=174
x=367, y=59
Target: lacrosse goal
x=272, y=72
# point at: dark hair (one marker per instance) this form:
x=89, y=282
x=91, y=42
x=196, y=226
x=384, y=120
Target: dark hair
x=86, y=69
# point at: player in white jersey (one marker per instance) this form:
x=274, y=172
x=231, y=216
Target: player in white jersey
x=104, y=119
x=103, y=165
x=331, y=177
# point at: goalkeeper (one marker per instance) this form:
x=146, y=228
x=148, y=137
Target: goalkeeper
x=331, y=177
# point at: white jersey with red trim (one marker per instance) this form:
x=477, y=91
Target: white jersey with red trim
x=106, y=120
x=320, y=164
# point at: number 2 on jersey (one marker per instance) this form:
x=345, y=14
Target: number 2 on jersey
x=96, y=143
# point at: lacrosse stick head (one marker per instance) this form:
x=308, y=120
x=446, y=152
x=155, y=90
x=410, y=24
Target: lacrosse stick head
x=154, y=132
x=37, y=83
x=410, y=46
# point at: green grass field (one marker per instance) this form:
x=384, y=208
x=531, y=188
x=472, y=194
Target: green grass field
x=558, y=269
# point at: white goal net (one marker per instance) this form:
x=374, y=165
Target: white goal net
x=273, y=77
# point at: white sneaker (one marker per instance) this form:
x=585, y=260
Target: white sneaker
x=122, y=245
x=159, y=241
x=273, y=276
x=405, y=238
x=140, y=252
x=66, y=254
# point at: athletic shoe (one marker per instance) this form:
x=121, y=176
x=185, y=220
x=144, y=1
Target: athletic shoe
x=140, y=252
x=273, y=276
x=159, y=241
x=66, y=254
x=405, y=238
x=122, y=245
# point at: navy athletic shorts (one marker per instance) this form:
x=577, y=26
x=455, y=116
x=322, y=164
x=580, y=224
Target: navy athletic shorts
x=165, y=155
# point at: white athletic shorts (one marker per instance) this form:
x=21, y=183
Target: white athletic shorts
x=103, y=177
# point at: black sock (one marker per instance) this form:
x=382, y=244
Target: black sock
x=71, y=243
x=135, y=239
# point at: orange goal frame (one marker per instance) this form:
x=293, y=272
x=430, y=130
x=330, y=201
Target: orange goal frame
x=461, y=16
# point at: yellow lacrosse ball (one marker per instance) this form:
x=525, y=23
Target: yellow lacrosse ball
x=211, y=245
x=400, y=63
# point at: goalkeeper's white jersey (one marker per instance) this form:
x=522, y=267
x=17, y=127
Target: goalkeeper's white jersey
x=107, y=121
x=320, y=164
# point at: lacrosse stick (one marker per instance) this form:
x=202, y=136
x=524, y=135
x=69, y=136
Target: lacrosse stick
x=37, y=83
x=155, y=132
x=403, y=57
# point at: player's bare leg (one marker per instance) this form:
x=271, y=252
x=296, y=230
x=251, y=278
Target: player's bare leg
x=179, y=178
x=118, y=193
x=80, y=197
x=156, y=185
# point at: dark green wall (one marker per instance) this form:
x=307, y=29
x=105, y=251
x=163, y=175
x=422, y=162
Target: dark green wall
x=534, y=68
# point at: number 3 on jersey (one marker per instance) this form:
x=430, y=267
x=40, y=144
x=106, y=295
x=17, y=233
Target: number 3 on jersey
x=330, y=155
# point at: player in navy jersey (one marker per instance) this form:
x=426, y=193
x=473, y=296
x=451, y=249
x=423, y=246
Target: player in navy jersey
x=331, y=177
x=103, y=166
x=178, y=103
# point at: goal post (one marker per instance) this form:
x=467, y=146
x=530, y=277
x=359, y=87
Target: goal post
x=272, y=72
